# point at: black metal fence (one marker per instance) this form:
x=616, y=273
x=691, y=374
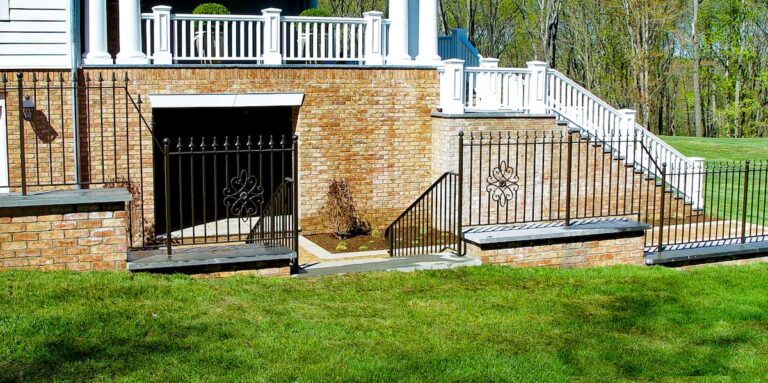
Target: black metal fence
x=432, y=223
x=526, y=177
x=67, y=133
x=731, y=209
x=523, y=177
x=228, y=189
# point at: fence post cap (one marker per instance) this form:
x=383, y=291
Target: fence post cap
x=373, y=14
x=536, y=64
x=161, y=8
x=271, y=10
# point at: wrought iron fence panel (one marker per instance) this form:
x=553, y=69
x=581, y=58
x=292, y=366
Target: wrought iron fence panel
x=86, y=133
x=230, y=189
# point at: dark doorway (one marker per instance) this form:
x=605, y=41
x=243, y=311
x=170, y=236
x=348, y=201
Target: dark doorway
x=198, y=200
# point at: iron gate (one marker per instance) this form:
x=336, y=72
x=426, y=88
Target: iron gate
x=229, y=189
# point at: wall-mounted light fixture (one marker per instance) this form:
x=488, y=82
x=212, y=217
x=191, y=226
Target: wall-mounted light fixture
x=28, y=108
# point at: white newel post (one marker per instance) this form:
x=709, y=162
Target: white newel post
x=130, y=34
x=398, y=32
x=537, y=91
x=373, y=29
x=162, y=44
x=428, y=33
x=452, y=87
x=272, y=54
x=697, y=182
x=627, y=133
x=96, y=33
x=488, y=85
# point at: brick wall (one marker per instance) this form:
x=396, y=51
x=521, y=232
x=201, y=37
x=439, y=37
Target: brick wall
x=369, y=126
x=622, y=251
x=71, y=237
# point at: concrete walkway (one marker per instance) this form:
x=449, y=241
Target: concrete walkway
x=411, y=263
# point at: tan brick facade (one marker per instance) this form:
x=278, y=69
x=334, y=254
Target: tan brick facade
x=71, y=237
x=369, y=126
x=622, y=251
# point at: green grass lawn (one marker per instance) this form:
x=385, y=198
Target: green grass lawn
x=721, y=149
x=473, y=324
x=723, y=195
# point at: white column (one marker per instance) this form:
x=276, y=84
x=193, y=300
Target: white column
x=428, y=33
x=373, y=27
x=96, y=33
x=488, y=85
x=398, y=32
x=452, y=87
x=162, y=26
x=272, y=54
x=130, y=34
x=537, y=91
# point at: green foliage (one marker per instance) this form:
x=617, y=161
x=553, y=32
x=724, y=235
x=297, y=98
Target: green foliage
x=210, y=9
x=315, y=12
x=472, y=324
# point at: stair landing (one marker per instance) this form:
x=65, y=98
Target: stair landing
x=199, y=258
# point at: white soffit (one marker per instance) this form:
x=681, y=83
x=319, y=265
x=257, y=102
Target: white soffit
x=225, y=100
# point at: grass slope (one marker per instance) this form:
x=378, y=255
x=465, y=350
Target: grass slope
x=721, y=149
x=724, y=194
x=472, y=324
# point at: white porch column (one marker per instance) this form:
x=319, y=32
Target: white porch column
x=130, y=34
x=488, y=85
x=272, y=54
x=452, y=87
x=428, y=32
x=96, y=33
x=537, y=91
x=162, y=44
x=398, y=32
x=373, y=27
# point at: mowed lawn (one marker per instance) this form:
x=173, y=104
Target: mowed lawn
x=472, y=324
x=723, y=194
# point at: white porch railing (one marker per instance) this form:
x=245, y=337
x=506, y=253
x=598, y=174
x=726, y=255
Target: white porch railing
x=268, y=38
x=537, y=89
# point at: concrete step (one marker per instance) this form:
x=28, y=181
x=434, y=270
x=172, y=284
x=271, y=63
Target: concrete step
x=440, y=261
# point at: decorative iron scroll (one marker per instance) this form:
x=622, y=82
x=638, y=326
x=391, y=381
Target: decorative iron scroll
x=502, y=184
x=244, y=196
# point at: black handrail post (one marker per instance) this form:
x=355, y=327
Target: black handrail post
x=663, y=199
x=460, y=195
x=569, y=165
x=167, y=169
x=744, y=204
x=295, y=188
x=20, y=88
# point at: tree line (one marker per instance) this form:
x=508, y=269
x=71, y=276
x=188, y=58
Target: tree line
x=689, y=67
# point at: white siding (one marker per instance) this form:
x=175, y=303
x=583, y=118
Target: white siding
x=36, y=35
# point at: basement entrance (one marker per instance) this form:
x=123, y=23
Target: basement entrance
x=227, y=162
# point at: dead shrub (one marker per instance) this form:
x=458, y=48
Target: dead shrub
x=339, y=212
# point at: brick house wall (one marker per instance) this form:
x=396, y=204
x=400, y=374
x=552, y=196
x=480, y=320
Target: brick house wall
x=370, y=126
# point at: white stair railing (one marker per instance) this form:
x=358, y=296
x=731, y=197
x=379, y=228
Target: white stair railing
x=536, y=88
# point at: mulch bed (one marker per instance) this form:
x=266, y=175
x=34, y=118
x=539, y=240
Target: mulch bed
x=354, y=244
